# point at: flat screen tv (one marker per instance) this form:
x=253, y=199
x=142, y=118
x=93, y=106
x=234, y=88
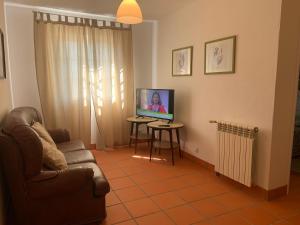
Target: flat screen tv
x=157, y=103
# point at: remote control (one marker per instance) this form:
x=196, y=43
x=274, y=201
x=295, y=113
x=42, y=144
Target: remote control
x=164, y=125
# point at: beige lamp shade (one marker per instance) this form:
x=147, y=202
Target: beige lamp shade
x=129, y=12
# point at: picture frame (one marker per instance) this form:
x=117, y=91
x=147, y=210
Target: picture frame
x=182, y=61
x=2, y=57
x=220, y=56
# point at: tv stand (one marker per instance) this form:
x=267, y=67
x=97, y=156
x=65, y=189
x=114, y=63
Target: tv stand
x=137, y=137
x=160, y=144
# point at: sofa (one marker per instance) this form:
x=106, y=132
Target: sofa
x=39, y=196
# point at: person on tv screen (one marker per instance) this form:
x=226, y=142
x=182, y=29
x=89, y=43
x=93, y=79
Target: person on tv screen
x=156, y=104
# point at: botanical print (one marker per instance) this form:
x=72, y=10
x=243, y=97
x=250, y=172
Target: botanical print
x=220, y=56
x=182, y=60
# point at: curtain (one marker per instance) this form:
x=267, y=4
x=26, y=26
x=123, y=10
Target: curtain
x=80, y=65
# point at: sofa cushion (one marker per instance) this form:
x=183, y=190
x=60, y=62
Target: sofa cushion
x=81, y=156
x=52, y=157
x=43, y=133
x=71, y=146
x=101, y=187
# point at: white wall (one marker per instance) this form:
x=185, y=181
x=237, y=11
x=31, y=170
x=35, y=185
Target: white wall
x=143, y=60
x=142, y=51
x=21, y=54
x=245, y=97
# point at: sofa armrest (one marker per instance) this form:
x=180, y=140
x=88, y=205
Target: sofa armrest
x=59, y=135
x=56, y=183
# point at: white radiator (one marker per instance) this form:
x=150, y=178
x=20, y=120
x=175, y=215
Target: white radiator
x=235, y=150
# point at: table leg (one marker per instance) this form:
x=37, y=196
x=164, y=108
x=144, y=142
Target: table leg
x=171, y=143
x=178, y=141
x=152, y=140
x=136, y=136
x=160, y=135
x=131, y=133
x=148, y=134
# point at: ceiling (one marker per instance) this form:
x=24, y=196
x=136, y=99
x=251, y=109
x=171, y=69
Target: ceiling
x=152, y=9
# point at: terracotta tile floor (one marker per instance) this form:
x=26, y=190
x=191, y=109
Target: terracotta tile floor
x=158, y=193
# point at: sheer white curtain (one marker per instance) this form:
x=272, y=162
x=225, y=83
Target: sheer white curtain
x=112, y=83
x=79, y=65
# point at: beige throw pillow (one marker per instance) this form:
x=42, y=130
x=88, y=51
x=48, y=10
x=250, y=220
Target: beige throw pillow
x=43, y=133
x=52, y=157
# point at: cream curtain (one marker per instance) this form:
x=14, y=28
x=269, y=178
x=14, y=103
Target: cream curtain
x=79, y=65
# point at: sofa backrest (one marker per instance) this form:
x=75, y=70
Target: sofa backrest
x=17, y=125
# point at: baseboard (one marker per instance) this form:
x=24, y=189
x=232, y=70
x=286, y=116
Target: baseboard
x=269, y=195
x=276, y=193
x=203, y=163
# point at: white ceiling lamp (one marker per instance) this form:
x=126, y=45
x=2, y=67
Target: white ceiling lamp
x=129, y=12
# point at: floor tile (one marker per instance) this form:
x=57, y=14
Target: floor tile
x=155, y=188
x=115, y=173
x=295, y=220
x=184, y=215
x=203, y=223
x=235, y=200
x=192, y=194
x=116, y=214
x=281, y=208
x=132, y=170
x=216, y=188
x=120, y=183
x=283, y=222
x=229, y=219
x=196, y=178
x=129, y=222
x=257, y=216
x=209, y=207
x=167, y=200
x=143, y=178
x=155, y=219
x=175, y=183
x=111, y=199
x=141, y=207
x=129, y=162
x=130, y=194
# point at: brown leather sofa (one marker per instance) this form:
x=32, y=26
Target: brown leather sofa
x=42, y=197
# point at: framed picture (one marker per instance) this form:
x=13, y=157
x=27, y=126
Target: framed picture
x=182, y=61
x=2, y=57
x=220, y=56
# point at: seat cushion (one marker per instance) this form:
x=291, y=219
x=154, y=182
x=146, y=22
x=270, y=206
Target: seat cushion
x=71, y=146
x=101, y=187
x=81, y=156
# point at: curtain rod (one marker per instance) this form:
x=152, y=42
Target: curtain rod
x=45, y=17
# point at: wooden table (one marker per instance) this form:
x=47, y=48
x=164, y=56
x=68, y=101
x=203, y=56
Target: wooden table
x=139, y=137
x=162, y=126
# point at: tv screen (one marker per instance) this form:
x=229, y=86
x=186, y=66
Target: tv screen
x=157, y=103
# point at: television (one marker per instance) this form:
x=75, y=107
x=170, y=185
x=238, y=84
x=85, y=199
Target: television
x=156, y=103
